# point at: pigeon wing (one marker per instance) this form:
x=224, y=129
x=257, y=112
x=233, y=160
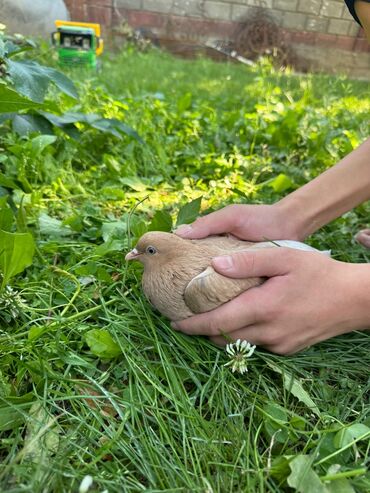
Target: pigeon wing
x=209, y=289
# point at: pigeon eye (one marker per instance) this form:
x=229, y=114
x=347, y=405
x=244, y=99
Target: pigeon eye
x=151, y=250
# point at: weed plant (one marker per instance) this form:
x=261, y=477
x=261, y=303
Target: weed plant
x=93, y=382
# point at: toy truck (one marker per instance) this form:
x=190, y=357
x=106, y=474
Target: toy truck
x=78, y=43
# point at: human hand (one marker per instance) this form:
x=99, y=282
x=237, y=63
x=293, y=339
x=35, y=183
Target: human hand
x=308, y=298
x=247, y=222
x=363, y=237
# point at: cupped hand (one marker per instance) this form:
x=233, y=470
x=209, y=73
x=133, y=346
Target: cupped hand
x=307, y=298
x=247, y=222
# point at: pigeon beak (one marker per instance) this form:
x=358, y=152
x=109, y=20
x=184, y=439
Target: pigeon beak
x=132, y=255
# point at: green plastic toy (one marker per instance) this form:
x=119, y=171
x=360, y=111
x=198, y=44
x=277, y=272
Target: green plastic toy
x=78, y=43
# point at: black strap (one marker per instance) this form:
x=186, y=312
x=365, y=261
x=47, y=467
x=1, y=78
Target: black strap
x=351, y=8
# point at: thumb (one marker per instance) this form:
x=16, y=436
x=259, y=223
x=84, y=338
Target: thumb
x=268, y=262
x=223, y=221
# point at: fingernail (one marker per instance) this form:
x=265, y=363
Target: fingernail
x=183, y=230
x=174, y=326
x=225, y=262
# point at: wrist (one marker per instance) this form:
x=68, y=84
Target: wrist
x=306, y=212
x=360, y=295
x=352, y=292
x=294, y=218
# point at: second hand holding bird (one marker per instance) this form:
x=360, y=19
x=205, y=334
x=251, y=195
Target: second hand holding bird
x=307, y=298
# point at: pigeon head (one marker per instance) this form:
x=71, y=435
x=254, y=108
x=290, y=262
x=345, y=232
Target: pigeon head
x=156, y=247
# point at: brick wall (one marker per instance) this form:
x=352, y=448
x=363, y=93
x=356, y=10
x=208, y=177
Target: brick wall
x=322, y=33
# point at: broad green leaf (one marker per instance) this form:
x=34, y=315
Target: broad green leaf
x=113, y=193
x=108, y=125
x=281, y=183
x=102, y=345
x=32, y=80
x=115, y=127
x=277, y=413
x=11, y=101
x=11, y=417
x=63, y=83
x=295, y=387
x=113, y=229
x=8, y=48
x=126, y=129
x=109, y=246
x=162, y=221
x=184, y=102
x=28, y=80
x=138, y=228
x=6, y=214
x=7, y=182
x=53, y=227
x=134, y=183
x=350, y=433
x=40, y=142
x=14, y=49
x=303, y=478
x=35, y=332
x=72, y=117
x=340, y=486
x=280, y=467
x=25, y=124
x=275, y=422
x=68, y=127
x=16, y=253
x=189, y=212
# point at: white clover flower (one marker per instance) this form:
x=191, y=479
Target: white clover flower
x=86, y=483
x=238, y=352
x=11, y=302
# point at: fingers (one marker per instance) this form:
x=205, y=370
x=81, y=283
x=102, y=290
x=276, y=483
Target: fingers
x=255, y=334
x=223, y=221
x=363, y=237
x=254, y=305
x=269, y=335
x=245, y=309
x=268, y=262
x=258, y=335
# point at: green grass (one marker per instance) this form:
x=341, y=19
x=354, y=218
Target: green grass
x=165, y=414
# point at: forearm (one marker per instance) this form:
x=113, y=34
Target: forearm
x=334, y=192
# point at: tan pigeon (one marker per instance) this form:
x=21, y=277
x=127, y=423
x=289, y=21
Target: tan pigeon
x=178, y=278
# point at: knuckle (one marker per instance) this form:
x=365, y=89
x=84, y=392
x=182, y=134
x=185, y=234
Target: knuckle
x=290, y=256
x=214, y=328
x=271, y=338
x=279, y=349
x=245, y=262
x=235, y=211
x=219, y=341
x=200, y=221
x=272, y=312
